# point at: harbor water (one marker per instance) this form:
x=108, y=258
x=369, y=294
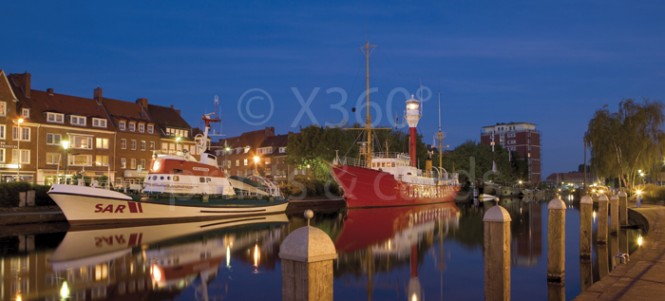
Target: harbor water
x=431, y=252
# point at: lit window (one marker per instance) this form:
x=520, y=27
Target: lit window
x=102, y=143
x=81, y=142
x=3, y=108
x=25, y=156
x=101, y=160
x=143, y=145
x=123, y=163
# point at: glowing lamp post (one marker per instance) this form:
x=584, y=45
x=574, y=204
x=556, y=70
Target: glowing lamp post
x=256, y=159
x=65, y=147
x=18, y=146
x=412, y=118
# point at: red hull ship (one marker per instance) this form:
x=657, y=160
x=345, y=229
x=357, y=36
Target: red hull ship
x=384, y=179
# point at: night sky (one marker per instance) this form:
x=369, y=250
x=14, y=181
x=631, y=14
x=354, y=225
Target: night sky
x=289, y=64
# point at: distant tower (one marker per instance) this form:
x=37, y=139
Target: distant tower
x=413, y=114
x=519, y=138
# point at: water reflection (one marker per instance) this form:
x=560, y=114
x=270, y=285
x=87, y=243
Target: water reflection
x=425, y=252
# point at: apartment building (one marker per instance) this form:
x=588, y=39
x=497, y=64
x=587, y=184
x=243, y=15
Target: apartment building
x=522, y=139
x=61, y=136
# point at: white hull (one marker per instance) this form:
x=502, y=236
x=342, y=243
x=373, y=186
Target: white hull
x=89, y=247
x=88, y=205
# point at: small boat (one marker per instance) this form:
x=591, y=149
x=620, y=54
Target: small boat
x=178, y=188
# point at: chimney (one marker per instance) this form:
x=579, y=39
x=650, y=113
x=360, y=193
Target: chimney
x=49, y=91
x=22, y=81
x=97, y=94
x=143, y=102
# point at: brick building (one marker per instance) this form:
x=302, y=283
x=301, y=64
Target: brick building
x=105, y=137
x=237, y=153
x=273, y=151
x=519, y=138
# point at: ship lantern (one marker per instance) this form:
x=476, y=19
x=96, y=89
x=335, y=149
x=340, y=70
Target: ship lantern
x=412, y=112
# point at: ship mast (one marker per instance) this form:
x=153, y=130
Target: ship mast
x=368, y=118
x=439, y=137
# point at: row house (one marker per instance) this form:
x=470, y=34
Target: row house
x=240, y=156
x=260, y=152
x=521, y=138
x=62, y=135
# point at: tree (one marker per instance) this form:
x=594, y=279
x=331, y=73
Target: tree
x=626, y=141
x=474, y=163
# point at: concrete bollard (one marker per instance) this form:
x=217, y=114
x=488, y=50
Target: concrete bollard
x=497, y=253
x=614, y=214
x=623, y=208
x=586, y=222
x=307, y=256
x=601, y=237
x=556, y=240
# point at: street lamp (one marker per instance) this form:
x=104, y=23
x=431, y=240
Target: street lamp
x=177, y=143
x=257, y=159
x=18, y=145
x=65, y=146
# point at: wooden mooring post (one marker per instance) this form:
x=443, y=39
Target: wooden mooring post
x=586, y=222
x=556, y=240
x=614, y=214
x=497, y=253
x=601, y=235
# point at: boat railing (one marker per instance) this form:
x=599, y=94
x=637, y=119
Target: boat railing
x=176, y=153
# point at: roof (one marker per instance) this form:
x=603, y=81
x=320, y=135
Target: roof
x=276, y=141
x=252, y=139
x=167, y=117
x=41, y=102
x=121, y=109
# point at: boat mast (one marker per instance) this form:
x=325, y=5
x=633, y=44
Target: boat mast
x=439, y=137
x=368, y=118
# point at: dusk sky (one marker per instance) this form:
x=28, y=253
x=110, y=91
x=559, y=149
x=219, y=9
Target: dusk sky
x=552, y=63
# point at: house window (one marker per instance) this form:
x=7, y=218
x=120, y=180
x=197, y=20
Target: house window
x=123, y=163
x=77, y=120
x=81, y=142
x=122, y=125
x=132, y=163
x=2, y=154
x=99, y=122
x=53, y=139
x=133, y=144
x=123, y=143
x=282, y=149
x=25, y=156
x=237, y=163
x=25, y=112
x=102, y=143
x=143, y=145
x=142, y=165
x=3, y=129
x=151, y=128
x=55, y=117
x=152, y=145
x=132, y=126
x=244, y=162
x=25, y=133
x=53, y=158
x=79, y=160
x=3, y=108
x=101, y=160
x=141, y=127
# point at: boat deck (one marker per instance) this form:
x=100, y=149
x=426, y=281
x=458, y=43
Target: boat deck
x=198, y=201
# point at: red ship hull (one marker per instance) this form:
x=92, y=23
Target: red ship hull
x=365, y=188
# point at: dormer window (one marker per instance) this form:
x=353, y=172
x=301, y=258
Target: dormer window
x=77, y=120
x=151, y=128
x=55, y=117
x=132, y=126
x=25, y=112
x=141, y=127
x=99, y=122
x=122, y=125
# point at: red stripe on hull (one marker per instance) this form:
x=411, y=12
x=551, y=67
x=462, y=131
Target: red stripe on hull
x=364, y=187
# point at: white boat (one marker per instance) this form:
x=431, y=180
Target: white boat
x=178, y=187
x=87, y=247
